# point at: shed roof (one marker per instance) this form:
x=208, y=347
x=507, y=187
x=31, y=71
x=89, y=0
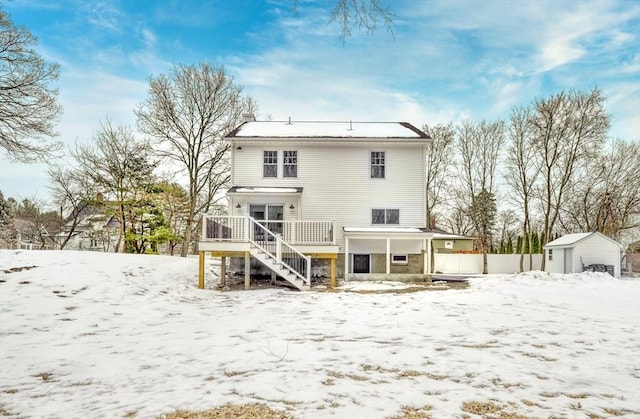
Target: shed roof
x=569, y=240
x=328, y=129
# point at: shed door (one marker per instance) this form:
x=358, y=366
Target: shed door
x=568, y=261
x=361, y=264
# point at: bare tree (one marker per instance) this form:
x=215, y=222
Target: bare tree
x=457, y=220
x=479, y=145
x=119, y=165
x=523, y=165
x=482, y=212
x=569, y=129
x=73, y=192
x=439, y=159
x=606, y=195
x=188, y=113
x=28, y=105
x=364, y=15
x=506, y=220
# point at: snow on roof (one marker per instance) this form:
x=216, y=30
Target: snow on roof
x=567, y=239
x=328, y=129
x=570, y=239
x=259, y=189
x=382, y=230
x=450, y=236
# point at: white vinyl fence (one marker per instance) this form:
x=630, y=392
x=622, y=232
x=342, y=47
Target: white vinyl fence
x=451, y=263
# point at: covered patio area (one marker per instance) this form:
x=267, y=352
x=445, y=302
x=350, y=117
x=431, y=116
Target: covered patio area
x=380, y=253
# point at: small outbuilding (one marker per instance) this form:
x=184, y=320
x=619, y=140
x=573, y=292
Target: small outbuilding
x=581, y=252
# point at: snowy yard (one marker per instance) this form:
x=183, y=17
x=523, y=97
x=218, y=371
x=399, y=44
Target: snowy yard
x=103, y=335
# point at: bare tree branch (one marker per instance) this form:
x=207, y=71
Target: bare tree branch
x=28, y=106
x=187, y=113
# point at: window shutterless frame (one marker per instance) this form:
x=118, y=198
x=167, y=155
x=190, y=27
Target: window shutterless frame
x=270, y=163
x=385, y=216
x=289, y=163
x=377, y=164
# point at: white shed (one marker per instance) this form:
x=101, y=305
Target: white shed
x=577, y=252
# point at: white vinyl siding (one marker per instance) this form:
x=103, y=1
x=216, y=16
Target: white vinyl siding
x=337, y=184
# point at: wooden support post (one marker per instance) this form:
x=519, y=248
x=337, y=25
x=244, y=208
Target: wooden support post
x=247, y=270
x=388, y=258
x=332, y=281
x=273, y=278
x=201, y=270
x=223, y=271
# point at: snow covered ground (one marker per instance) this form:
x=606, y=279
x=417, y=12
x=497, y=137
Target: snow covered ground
x=103, y=335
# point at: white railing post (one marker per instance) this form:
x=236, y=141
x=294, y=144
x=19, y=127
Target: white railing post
x=294, y=229
x=204, y=226
x=278, y=247
x=247, y=226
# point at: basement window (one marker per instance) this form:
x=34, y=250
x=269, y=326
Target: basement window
x=400, y=259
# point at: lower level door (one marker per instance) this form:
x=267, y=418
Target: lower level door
x=361, y=264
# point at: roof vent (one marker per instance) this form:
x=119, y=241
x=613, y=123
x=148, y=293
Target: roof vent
x=289, y=123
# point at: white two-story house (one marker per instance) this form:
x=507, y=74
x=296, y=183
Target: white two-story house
x=342, y=199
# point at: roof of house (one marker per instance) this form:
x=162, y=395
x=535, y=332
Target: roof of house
x=327, y=129
x=569, y=240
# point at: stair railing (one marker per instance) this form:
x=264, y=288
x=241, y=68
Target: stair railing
x=274, y=246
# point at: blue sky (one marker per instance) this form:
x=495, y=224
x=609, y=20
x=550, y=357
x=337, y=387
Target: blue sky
x=446, y=60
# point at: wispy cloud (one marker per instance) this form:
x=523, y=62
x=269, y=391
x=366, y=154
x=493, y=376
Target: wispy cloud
x=103, y=14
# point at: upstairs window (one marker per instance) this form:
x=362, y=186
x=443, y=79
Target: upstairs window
x=377, y=164
x=270, y=164
x=385, y=216
x=290, y=164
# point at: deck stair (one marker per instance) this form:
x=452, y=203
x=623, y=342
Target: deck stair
x=278, y=255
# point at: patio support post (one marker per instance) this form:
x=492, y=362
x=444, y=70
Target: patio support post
x=201, y=270
x=388, y=254
x=247, y=270
x=428, y=264
x=346, y=258
x=223, y=271
x=332, y=283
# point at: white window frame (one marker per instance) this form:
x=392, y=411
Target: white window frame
x=378, y=160
x=386, y=216
x=285, y=164
x=402, y=259
x=266, y=163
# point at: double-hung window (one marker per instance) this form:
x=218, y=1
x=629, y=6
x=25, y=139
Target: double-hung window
x=377, y=164
x=290, y=164
x=385, y=216
x=270, y=164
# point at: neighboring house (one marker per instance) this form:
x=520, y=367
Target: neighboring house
x=578, y=252
x=29, y=236
x=318, y=198
x=94, y=230
x=633, y=257
x=445, y=242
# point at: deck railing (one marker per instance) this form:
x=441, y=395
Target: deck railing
x=233, y=228
x=278, y=249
